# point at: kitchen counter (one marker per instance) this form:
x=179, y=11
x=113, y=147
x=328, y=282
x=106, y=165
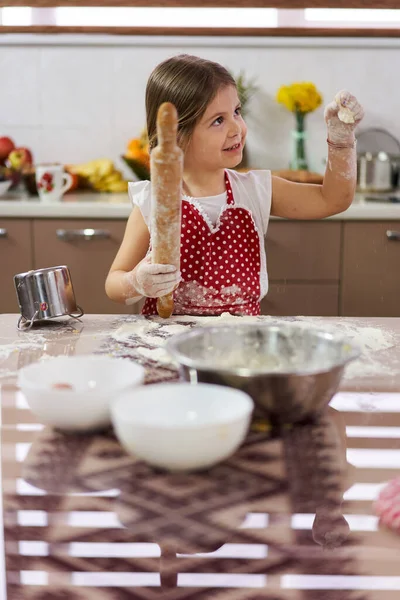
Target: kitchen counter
x=79, y=514
x=87, y=205
x=118, y=206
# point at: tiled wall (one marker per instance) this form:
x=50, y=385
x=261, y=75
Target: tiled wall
x=75, y=99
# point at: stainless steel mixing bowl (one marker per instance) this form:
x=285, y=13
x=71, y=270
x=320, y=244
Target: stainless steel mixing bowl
x=291, y=371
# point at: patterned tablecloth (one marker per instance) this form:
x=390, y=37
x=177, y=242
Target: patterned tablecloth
x=289, y=516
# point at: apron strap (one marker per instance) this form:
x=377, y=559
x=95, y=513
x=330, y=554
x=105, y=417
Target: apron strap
x=229, y=198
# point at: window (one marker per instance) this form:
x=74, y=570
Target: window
x=20, y=15
x=141, y=17
x=201, y=18
x=167, y=17
x=348, y=17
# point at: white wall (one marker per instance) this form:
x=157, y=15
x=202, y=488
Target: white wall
x=75, y=98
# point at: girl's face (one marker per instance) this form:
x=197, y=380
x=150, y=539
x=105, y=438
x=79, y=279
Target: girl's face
x=218, y=138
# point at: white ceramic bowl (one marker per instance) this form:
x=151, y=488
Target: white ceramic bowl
x=5, y=186
x=96, y=381
x=181, y=426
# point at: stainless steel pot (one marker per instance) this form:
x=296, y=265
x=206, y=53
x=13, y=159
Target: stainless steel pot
x=378, y=170
x=45, y=294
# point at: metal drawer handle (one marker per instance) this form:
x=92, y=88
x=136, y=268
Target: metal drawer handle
x=68, y=235
x=394, y=236
x=3, y=233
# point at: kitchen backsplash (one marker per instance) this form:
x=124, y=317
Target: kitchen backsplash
x=83, y=98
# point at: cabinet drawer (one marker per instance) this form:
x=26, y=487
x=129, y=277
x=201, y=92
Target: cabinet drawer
x=371, y=266
x=308, y=299
x=60, y=242
x=15, y=257
x=303, y=250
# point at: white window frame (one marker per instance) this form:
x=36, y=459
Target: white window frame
x=339, y=18
x=286, y=18
x=170, y=17
x=249, y=17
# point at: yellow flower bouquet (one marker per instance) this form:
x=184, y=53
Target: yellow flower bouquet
x=300, y=99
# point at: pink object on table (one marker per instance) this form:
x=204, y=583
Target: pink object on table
x=387, y=506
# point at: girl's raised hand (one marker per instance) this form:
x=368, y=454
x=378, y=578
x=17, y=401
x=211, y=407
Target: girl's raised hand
x=342, y=116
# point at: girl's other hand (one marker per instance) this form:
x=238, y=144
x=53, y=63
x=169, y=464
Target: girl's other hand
x=342, y=117
x=154, y=280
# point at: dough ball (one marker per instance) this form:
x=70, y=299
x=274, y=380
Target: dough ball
x=345, y=114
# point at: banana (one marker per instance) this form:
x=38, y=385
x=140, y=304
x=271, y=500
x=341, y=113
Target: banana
x=118, y=186
x=101, y=175
x=94, y=168
x=112, y=178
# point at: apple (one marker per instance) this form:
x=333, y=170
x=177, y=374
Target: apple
x=20, y=158
x=6, y=146
x=74, y=183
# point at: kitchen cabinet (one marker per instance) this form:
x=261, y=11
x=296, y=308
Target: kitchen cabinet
x=309, y=299
x=15, y=257
x=87, y=247
x=303, y=250
x=303, y=280
x=303, y=261
x=371, y=266
x=316, y=268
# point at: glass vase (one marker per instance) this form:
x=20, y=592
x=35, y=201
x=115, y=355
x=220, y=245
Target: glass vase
x=299, y=136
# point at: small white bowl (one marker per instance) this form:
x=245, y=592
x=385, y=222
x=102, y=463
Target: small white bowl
x=5, y=186
x=95, y=382
x=182, y=426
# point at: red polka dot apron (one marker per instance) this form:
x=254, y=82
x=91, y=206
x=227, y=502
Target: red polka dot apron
x=220, y=265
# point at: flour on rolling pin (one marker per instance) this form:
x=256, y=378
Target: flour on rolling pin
x=166, y=165
x=345, y=114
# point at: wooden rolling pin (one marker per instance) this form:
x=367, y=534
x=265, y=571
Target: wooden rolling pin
x=166, y=164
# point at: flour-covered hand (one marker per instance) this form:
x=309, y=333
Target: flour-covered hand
x=154, y=280
x=342, y=117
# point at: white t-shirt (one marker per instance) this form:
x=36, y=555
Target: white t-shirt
x=211, y=205
x=251, y=190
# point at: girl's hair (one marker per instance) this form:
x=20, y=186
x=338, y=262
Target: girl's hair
x=190, y=83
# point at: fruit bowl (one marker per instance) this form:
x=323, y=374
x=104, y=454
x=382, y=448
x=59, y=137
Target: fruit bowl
x=138, y=168
x=29, y=179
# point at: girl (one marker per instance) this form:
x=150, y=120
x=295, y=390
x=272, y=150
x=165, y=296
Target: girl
x=224, y=213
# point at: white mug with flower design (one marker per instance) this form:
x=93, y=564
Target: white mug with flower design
x=52, y=181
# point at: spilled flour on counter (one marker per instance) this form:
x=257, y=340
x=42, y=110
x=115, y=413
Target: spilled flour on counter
x=25, y=341
x=370, y=340
x=148, y=337
x=140, y=327
x=16, y=354
x=367, y=338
